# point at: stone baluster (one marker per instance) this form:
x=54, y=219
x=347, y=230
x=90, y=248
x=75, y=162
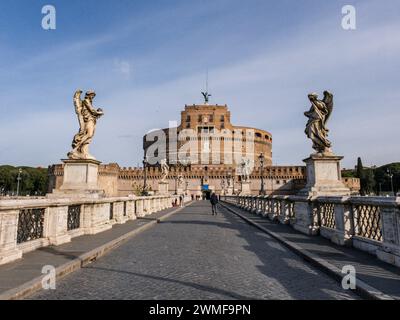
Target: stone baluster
x=96, y=217
x=119, y=213
x=284, y=217
x=390, y=249
x=304, y=211
x=58, y=225
x=130, y=209
x=8, y=236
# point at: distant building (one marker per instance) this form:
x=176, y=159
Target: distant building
x=210, y=127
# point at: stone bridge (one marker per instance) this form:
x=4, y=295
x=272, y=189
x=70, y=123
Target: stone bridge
x=146, y=248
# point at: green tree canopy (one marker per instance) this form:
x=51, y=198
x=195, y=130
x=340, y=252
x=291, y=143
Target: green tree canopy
x=33, y=180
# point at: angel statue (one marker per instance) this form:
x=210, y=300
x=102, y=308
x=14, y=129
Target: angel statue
x=245, y=168
x=223, y=184
x=87, y=117
x=164, y=170
x=181, y=180
x=206, y=96
x=318, y=117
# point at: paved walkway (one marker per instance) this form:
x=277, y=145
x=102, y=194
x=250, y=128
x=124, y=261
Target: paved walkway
x=18, y=273
x=193, y=255
x=378, y=274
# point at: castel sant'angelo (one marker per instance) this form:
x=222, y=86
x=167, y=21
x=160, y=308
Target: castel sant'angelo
x=204, y=154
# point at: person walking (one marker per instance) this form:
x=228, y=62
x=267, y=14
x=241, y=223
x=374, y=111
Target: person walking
x=214, y=202
x=181, y=200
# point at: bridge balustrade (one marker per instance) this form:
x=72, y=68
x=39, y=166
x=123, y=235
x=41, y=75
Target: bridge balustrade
x=371, y=224
x=26, y=225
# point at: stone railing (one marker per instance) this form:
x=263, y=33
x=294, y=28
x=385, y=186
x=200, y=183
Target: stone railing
x=370, y=224
x=26, y=225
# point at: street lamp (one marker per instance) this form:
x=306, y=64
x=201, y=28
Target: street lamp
x=390, y=175
x=261, y=158
x=145, y=162
x=18, y=180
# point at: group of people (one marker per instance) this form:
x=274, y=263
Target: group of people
x=214, y=199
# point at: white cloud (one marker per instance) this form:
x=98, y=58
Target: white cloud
x=123, y=67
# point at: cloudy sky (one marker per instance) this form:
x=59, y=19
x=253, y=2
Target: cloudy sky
x=147, y=59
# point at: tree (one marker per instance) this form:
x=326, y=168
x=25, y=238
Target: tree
x=361, y=175
x=33, y=180
x=360, y=168
x=383, y=180
x=368, y=181
x=367, y=178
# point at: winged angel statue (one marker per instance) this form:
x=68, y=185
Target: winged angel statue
x=164, y=170
x=318, y=116
x=87, y=117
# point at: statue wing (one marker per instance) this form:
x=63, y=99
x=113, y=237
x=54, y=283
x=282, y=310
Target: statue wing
x=328, y=100
x=78, y=101
x=78, y=109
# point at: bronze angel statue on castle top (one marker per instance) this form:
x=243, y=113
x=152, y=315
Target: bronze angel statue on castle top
x=87, y=118
x=318, y=116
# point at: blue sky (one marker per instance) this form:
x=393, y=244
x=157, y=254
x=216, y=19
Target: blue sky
x=147, y=59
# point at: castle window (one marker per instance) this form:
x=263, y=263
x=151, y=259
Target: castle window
x=258, y=135
x=222, y=118
x=187, y=118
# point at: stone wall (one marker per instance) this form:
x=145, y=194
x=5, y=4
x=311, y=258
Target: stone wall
x=118, y=181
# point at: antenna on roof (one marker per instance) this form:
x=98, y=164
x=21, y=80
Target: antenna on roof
x=205, y=94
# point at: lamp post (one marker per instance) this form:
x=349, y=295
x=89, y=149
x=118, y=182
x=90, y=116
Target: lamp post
x=390, y=175
x=145, y=175
x=18, y=180
x=261, y=158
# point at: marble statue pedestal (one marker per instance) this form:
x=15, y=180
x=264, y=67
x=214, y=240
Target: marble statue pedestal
x=245, y=188
x=324, y=179
x=80, y=179
x=324, y=176
x=163, y=188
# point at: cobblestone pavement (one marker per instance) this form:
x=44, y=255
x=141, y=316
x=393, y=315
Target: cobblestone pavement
x=194, y=255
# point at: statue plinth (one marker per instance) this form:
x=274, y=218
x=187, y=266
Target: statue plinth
x=163, y=188
x=245, y=188
x=80, y=179
x=324, y=176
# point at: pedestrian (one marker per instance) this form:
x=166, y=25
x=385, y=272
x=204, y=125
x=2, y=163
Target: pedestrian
x=181, y=201
x=214, y=202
